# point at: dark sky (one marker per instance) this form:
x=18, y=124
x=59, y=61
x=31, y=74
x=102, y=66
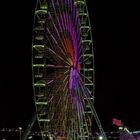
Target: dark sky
x=116, y=36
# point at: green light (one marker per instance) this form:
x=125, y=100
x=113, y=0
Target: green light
x=39, y=84
x=44, y=120
x=44, y=6
x=38, y=46
x=38, y=65
x=41, y=11
x=41, y=103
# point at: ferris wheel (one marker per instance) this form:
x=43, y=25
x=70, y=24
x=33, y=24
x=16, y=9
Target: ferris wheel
x=63, y=69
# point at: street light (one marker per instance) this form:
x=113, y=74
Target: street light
x=120, y=127
x=20, y=129
x=30, y=137
x=100, y=138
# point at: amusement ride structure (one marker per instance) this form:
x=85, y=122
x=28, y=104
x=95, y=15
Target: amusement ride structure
x=63, y=70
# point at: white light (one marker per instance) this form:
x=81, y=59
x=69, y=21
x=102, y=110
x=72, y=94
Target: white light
x=30, y=137
x=120, y=128
x=126, y=130
x=100, y=138
x=20, y=128
x=50, y=138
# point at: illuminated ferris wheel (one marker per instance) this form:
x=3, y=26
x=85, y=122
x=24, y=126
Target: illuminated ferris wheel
x=63, y=69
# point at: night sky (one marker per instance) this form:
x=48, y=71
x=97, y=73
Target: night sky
x=116, y=34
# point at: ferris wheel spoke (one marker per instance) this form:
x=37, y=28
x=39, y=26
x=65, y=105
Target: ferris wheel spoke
x=67, y=24
x=58, y=56
x=61, y=88
x=86, y=93
x=67, y=17
x=57, y=44
x=86, y=78
x=61, y=20
x=88, y=57
x=60, y=113
x=65, y=103
x=58, y=75
x=57, y=66
x=80, y=53
x=79, y=58
x=61, y=41
x=88, y=109
x=64, y=110
x=77, y=103
x=65, y=86
x=80, y=104
x=56, y=13
x=52, y=79
x=51, y=60
x=58, y=86
x=83, y=108
x=61, y=11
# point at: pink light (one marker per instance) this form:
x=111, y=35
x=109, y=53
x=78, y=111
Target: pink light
x=116, y=122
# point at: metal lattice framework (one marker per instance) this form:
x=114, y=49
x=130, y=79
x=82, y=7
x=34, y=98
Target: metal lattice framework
x=63, y=69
